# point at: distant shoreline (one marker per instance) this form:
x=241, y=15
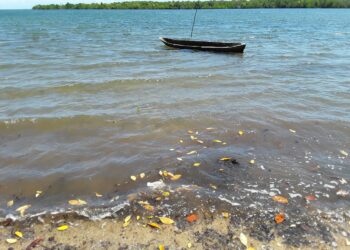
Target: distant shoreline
x=237, y=4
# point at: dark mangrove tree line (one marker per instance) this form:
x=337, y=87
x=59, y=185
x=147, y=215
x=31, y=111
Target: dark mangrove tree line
x=234, y=4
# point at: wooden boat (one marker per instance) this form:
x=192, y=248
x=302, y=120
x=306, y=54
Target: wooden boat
x=204, y=45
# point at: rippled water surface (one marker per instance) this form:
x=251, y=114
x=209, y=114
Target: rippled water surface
x=89, y=98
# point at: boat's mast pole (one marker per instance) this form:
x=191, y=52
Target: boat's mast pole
x=194, y=19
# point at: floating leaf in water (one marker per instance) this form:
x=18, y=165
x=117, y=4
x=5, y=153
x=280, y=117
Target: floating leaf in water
x=279, y=218
x=344, y=152
x=154, y=225
x=10, y=203
x=133, y=177
x=196, y=164
x=161, y=247
x=22, y=209
x=192, y=152
x=98, y=195
x=77, y=202
x=176, y=177
x=243, y=239
x=218, y=141
x=38, y=193
x=166, y=194
x=63, y=227
x=241, y=132
x=225, y=158
x=292, y=131
x=142, y=175
x=280, y=199
x=166, y=220
x=192, y=218
x=310, y=198
x=11, y=241
x=19, y=234
x=225, y=214
x=252, y=161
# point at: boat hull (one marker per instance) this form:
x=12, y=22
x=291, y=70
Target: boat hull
x=204, y=45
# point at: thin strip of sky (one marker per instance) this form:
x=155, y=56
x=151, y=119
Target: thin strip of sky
x=28, y=4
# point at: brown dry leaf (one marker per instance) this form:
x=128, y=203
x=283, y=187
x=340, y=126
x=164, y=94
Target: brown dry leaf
x=280, y=199
x=19, y=234
x=63, y=228
x=161, y=247
x=10, y=203
x=22, y=209
x=243, y=239
x=166, y=220
x=133, y=177
x=175, y=177
x=192, y=218
x=11, y=241
x=279, y=218
x=154, y=225
x=77, y=202
x=196, y=164
x=34, y=243
x=225, y=159
x=192, y=152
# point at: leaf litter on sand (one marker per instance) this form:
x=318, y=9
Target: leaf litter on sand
x=19, y=234
x=192, y=218
x=153, y=225
x=196, y=164
x=166, y=220
x=10, y=203
x=175, y=177
x=38, y=193
x=77, y=202
x=22, y=209
x=279, y=218
x=280, y=199
x=11, y=241
x=63, y=228
x=243, y=239
x=343, y=152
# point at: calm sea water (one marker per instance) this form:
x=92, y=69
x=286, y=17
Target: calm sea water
x=89, y=98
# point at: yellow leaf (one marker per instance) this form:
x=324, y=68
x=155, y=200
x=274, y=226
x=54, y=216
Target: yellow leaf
x=280, y=199
x=189, y=244
x=166, y=220
x=181, y=141
x=225, y=214
x=241, y=132
x=10, y=203
x=224, y=143
x=38, y=193
x=138, y=217
x=11, y=241
x=62, y=228
x=77, y=202
x=218, y=141
x=250, y=248
x=176, y=177
x=142, y=175
x=154, y=225
x=133, y=177
x=190, y=131
x=196, y=164
x=19, y=234
x=192, y=152
x=22, y=209
x=166, y=194
x=243, y=239
x=193, y=138
x=213, y=186
x=161, y=247
x=252, y=161
x=126, y=223
x=225, y=159
x=98, y=195
x=127, y=218
x=210, y=128
x=148, y=207
x=344, y=152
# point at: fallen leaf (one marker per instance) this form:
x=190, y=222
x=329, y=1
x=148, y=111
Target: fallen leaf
x=10, y=203
x=218, y=141
x=243, y=239
x=133, y=177
x=176, y=177
x=189, y=244
x=125, y=224
x=250, y=248
x=279, y=218
x=19, y=234
x=98, y=195
x=225, y=214
x=192, y=218
x=34, y=243
x=166, y=194
x=344, y=152
x=252, y=161
x=213, y=186
x=192, y=152
x=200, y=141
x=241, y=132
x=310, y=198
x=148, y=207
x=142, y=175
x=161, y=247
x=280, y=199
x=210, y=128
x=292, y=131
x=11, y=241
x=77, y=202
x=154, y=225
x=193, y=138
x=342, y=193
x=63, y=227
x=190, y=131
x=138, y=217
x=181, y=141
x=38, y=193
x=127, y=218
x=166, y=220
x=22, y=209
x=179, y=158
x=225, y=158
x=196, y=164
x=158, y=198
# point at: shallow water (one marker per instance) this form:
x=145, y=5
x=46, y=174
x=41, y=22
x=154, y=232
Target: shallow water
x=89, y=98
